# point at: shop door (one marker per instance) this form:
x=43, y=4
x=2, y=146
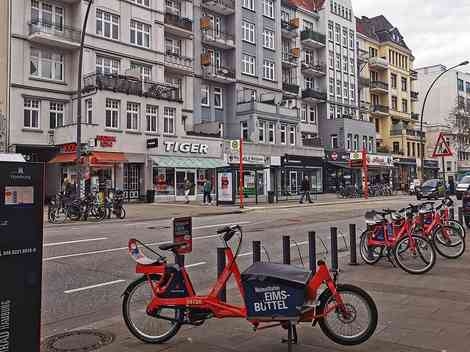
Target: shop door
x=181, y=177
x=293, y=183
x=132, y=181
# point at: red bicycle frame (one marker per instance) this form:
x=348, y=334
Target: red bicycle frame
x=390, y=241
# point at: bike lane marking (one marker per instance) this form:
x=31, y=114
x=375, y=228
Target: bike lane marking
x=115, y=282
x=76, y=241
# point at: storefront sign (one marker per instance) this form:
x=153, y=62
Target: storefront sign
x=337, y=156
x=302, y=161
x=405, y=161
x=247, y=159
x=68, y=148
x=186, y=148
x=152, y=143
x=225, y=187
x=106, y=141
x=379, y=160
x=275, y=161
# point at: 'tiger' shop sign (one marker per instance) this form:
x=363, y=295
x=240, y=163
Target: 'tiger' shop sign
x=186, y=148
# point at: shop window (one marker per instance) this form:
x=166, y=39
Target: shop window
x=205, y=174
x=164, y=181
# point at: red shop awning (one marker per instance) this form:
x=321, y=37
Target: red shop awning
x=107, y=158
x=63, y=158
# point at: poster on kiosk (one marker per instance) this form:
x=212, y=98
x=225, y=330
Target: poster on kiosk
x=21, y=197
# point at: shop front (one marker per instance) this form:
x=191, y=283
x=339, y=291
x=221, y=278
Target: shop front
x=431, y=169
x=380, y=168
x=404, y=172
x=339, y=173
x=294, y=169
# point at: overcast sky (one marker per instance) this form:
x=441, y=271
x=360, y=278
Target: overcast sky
x=437, y=32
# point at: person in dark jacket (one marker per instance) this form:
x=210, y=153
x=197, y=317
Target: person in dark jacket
x=305, y=190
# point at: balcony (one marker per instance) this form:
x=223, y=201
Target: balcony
x=313, y=39
x=290, y=88
x=267, y=110
x=177, y=25
x=290, y=28
x=291, y=58
x=177, y=62
x=218, y=74
x=415, y=116
x=378, y=63
x=364, y=82
x=219, y=40
x=54, y=35
x=415, y=133
x=379, y=87
x=414, y=96
x=396, y=131
x=380, y=110
x=313, y=95
x=414, y=75
x=313, y=69
x=313, y=142
x=221, y=7
x=130, y=85
x=364, y=106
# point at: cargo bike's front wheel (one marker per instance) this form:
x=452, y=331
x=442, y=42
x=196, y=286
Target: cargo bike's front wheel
x=351, y=324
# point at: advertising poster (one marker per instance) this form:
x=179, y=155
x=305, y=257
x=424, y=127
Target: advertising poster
x=225, y=185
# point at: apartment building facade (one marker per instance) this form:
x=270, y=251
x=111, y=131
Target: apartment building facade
x=448, y=110
x=4, y=72
x=389, y=95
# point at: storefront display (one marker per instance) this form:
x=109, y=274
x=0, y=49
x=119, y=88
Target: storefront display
x=339, y=173
x=294, y=169
x=404, y=172
x=225, y=187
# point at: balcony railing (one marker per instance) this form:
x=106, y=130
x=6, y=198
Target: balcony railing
x=396, y=132
x=290, y=26
x=220, y=37
x=380, y=109
x=130, y=85
x=290, y=87
x=57, y=30
x=312, y=66
x=313, y=36
x=176, y=59
x=378, y=62
x=314, y=94
x=223, y=5
x=178, y=21
x=379, y=85
x=311, y=142
x=364, y=82
x=415, y=133
x=219, y=71
x=414, y=95
x=253, y=106
x=289, y=57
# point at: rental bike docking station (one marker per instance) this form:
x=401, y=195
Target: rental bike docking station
x=21, y=238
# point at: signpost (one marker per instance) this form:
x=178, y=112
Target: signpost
x=238, y=146
x=442, y=149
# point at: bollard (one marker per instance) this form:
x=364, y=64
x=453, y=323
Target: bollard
x=452, y=213
x=286, y=249
x=220, y=269
x=256, y=245
x=352, y=244
x=461, y=215
x=312, y=251
x=334, y=249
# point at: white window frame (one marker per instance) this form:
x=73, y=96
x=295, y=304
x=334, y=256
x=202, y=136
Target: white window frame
x=145, y=3
x=151, y=118
x=349, y=142
x=145, y=71
x=56, y=115
x=173, y=46
x=261, y=131
x=312, y=114
x=271, y=133
x=248, y=65
x=32, y=107
x=303, y=113
x=243, y=129
x=205, y=95
x=106, y=19
x=268, y=8
x=248, y=32
x=334, y=141
x=89, y=110
x=249, y=4
x=283, y=134
x=370, y=145
x=269, y=70
x=39, y=15
x=139, y=34
x=39, y=58
x=133, y=116
x=113, y=107
x=269, y=39
x=365, y=142
x=169, y=118
x=292, y=135
x=218, y=92
x=356, y=143
x=106, y=65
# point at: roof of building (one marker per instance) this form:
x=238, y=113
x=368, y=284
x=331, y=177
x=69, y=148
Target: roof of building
x=380, y=29
x=310, y=5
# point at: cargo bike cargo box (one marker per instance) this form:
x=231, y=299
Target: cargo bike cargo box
x=274, y=291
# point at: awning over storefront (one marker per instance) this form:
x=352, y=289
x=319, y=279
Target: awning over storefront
x=342, y=164
x=107, y=158
x=63, y=158
x=188, y=163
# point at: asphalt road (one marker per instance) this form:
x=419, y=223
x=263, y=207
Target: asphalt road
x=86, y=268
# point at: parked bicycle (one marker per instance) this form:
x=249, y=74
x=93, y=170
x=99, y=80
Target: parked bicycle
x=156, y=305
x=115, y=205
x=62, y=208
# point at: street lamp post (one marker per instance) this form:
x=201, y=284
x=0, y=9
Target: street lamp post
x=79, y=98
x=422, y=113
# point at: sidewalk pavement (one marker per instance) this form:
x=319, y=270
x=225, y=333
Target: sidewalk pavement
x=428, y=313
x=163, y=211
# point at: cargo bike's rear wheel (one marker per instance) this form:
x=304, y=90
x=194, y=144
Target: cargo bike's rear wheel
x=354, y=326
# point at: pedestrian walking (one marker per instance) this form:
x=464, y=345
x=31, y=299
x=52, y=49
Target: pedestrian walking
x=305, y=190
x=187, y=189
x=207, y=190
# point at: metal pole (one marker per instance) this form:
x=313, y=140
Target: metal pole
x=220, y=269
x=79, y=98
x=334, y=248
x=452, y=213
x=286, y=249
x=443, y=170
x=256, y=245
x=352, y=244
x=312, y=251
x=242, y=178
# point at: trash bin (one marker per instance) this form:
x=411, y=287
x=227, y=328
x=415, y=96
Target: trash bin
x=271, y=195
x=150, y=196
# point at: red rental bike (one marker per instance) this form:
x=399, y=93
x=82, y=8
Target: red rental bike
x=156, y=305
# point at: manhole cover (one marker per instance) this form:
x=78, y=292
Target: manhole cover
x=78, y=341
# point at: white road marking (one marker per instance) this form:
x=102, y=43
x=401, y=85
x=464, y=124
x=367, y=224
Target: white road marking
x=245, y=254
x=94, y=286
x=76, y=241
x=195, y=264
x=295, y=244
x=219, y=225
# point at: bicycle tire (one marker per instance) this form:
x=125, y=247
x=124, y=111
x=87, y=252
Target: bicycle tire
x=458, y=225
x=130, y=290
x=438, y=241
x=327, y=296
x=397, y=255
x=363, y=250
x=122, y=213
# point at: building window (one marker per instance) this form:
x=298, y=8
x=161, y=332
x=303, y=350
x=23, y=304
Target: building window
x=271, y=133
x=370, y=147
x=249, y=4
x=261, y=131
x=248, y=65
x=334, y=141
x=404, y=105
x=292, y=131
x=112, y=113
x=140, y=34
x=47, y=15
x=283, y=134
x=142, y=2
x=345, y=37
x=393, y=80
x=309, y=83
x=303, y=113
x=356, y=143
x=205, y=95
x=151, y=117
x=31, y=113
x=396, y=147
x=46, y=64
x=364, y=142
x=312, y=118
x=107, y=25
x=460, y=85
x=338, y=33
x=248, y=32
x=268, y=39
x=218, y=93
x=105, y=65
x=244, y=130
x=394, y=103
x=467, y=87
x=349, y=142
x=352, y=67
x=89, y=110
x=145, y=71
x=404, y=84
x=56, y=115
x=133, y=112
x=169, y=116
x=268, y=70
x=268, y=8
x=173, y=46
x=351, y=39
x=330, y=30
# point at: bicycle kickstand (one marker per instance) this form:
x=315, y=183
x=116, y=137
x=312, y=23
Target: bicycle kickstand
x=292, y=338
x=390, y=259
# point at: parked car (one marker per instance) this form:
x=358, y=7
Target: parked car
x=462, y=187
x=431, y=189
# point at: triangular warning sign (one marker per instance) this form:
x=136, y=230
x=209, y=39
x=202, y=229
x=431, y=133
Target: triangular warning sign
x=442, y=148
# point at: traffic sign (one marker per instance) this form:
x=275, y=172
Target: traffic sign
x=442, y=148
x=235, y=145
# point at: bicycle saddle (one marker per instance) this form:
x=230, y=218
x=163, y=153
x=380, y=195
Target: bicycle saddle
x=171, y=246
